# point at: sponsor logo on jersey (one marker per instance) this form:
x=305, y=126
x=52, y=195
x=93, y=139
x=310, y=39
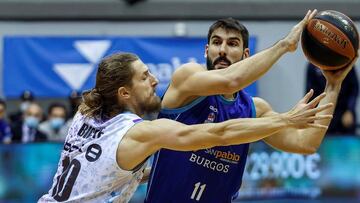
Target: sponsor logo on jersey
x=210, y=164
x=212, y=108
x=227, y=156
x=72, y=147
x=211, y=117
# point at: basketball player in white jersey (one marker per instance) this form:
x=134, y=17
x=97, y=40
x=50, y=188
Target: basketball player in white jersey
x=108, y=143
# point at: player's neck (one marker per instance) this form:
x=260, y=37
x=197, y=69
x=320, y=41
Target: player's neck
x=229, y=96
x=135, y=110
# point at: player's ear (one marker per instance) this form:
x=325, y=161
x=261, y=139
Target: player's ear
x=206, y=50
x=246, y=53
x=123, y=93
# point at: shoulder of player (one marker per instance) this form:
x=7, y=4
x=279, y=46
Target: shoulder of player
x=263, y=108
x=180, y=84
x=186, y=70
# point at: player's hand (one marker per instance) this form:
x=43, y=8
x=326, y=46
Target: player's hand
x=337, y=76
x=303, y=114
x=292, y=39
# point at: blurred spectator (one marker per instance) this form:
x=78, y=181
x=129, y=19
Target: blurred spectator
x=26, y=98
x=344, y=121
x=74, y=101
x=5, y=131
x=54, y=127
x=26, y=130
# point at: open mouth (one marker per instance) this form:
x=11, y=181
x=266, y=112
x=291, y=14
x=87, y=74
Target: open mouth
x=222, y=61
x=221, y=65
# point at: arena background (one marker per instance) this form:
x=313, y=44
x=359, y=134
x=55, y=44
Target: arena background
x=26, y=171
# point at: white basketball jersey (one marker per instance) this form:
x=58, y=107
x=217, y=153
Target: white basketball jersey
x=87, y=170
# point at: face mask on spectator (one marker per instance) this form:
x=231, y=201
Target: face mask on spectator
x=32, y=122
x=57, y=123
x=24, y=106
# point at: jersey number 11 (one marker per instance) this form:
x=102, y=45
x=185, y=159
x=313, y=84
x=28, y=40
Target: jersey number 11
x=195, y=191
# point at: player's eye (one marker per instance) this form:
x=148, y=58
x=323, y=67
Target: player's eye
x=233, y=44
x=216, y=42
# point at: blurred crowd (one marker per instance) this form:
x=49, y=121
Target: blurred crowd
x=32, y=123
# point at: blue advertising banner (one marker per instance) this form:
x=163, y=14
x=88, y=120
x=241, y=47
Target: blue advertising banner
x=27, y=171
x=54, y=66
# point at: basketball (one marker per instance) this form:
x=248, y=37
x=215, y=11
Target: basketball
x=330, y=40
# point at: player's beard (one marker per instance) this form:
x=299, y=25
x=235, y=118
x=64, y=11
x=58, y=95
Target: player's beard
x=151, y=106
x=210, y=65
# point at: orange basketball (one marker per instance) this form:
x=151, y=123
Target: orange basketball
x=330, y=40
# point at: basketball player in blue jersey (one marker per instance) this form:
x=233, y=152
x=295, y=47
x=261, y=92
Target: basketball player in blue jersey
x=108, y=143
x=196, y=95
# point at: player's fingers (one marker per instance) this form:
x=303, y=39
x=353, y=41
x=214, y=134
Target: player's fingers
x=318, y=109
x=323, y=107
x=312, y=14
x=322, y=117
x=307, y=96
x=354, y=60
x=316, y=100
x=307, y=15
x=312, y=119
x=315, y=125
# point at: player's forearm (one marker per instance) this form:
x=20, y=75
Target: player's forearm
x=230, y=132
x=246, y=71
x=311, y=138
x=249, y=129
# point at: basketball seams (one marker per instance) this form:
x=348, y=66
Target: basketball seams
x=336, y=47
x=352, y=35
x=309, y=42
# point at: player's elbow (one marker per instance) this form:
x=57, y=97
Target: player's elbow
x=308, y=150
x=299, y=149
x=311, y=148
x=307, y=147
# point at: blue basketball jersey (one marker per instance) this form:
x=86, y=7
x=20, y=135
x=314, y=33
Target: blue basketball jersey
x=212, y=175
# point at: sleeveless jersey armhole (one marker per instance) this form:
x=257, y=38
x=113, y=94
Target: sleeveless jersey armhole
x=253, y=108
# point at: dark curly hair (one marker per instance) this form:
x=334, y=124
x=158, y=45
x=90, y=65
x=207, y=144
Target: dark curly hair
x=230, y=24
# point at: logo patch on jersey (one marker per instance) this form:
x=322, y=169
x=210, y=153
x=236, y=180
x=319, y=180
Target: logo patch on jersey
x=210, y=164
x=72, y=147
x=93, y=152
x=212, y=108
x=228, y=156
x=210, y=118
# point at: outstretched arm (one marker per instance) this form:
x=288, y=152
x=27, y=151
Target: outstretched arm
x=147, y=137
x=193, y=80
x=306, y=140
